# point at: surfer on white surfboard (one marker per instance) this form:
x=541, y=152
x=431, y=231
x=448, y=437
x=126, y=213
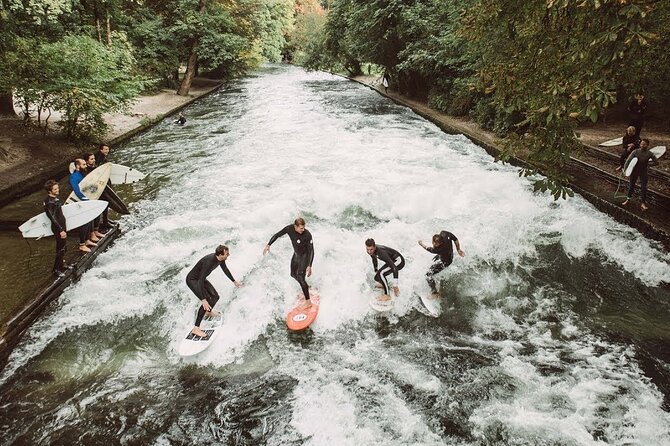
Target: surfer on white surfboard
x=444, y=256
x=197, y=282
x=303, y=254
x=393, y=262
x=644, y=159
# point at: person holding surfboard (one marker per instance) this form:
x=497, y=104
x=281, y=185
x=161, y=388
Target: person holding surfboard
x=442, y=247
x=52, y=207
x=393, y=262
x=87, y=236
x=196, y=280
x=630, y=142
x=303, y=254
x=644, y=158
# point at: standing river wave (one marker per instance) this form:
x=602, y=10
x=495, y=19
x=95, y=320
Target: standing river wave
x=554, y=332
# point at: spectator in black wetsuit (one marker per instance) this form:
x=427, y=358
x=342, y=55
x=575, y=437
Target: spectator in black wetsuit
x=197, y=282
x=393, y=262
x=52, y=207
x=181, y=120
x=303, y=254
x=445, y=255
x=630, y=142
x=636, y=112
x=100, y=229
x=644, y=159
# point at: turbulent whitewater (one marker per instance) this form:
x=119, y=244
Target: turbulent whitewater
x=554, y=330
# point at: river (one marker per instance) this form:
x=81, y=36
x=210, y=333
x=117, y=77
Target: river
x=554, y=329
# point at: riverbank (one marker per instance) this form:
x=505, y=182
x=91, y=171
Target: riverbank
x=29, y=156
x=32, y=158
x=596, y=181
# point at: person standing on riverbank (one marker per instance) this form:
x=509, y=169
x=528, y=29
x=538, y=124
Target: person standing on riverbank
x=444, y=256
x=197, y=282
x=52, y=207
x=303, y=254
x=87, y=236
x=393, y=262
x=636, y=112
x=644, y=158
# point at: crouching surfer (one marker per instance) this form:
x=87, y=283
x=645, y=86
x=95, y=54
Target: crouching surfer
x=393, y=262
x=197, y=281
x=444, y=256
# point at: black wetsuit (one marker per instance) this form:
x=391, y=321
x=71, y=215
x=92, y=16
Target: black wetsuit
x=625, y=152
x=197, y=281
x=636, y=113
x=52, y=207
x=393, y=262
x=100, y=158
x=180, y=121
x=444, y=257
x=303, y=254
x=644, y=158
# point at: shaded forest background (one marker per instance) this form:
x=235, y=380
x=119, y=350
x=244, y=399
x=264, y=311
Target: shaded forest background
x=531, y=71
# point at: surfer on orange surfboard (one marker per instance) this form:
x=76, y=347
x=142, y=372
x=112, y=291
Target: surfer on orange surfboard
x=303, y=254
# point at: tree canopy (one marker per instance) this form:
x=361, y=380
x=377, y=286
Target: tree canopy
x=528, y=70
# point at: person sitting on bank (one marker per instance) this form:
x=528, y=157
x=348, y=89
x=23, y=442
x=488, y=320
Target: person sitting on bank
x=645, y=158
x=87, y=235
x=630, y=142
x=52, y=207
x=181, y=120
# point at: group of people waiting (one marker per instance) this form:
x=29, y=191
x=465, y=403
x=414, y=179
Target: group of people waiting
x=91, y=232
x=635, y=147
x=386, y=274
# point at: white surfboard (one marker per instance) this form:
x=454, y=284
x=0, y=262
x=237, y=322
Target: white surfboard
x=93, y=184
x=629, y=167
x=76, y=215
x=612, y=142
x=433, y=305
x=124, y=175
x=381, y=305
x=658, y=151
x=192, y=345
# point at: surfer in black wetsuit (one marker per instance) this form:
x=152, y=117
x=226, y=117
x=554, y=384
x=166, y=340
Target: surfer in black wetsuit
x=52, y=207
x=197, y=281
x=303, y=254
x=181, y=120
x=393, y=262
x=445, y=255
x=644, y=158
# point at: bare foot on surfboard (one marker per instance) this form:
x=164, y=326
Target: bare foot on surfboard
x=378, y=285
x=434, y=296
x=305, y=305
x=198, y=332
x=384, y=298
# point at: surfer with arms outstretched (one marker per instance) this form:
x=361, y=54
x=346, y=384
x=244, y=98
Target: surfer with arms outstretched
x=303, y=254
x=393, y=262
x=197, y=281
x=444, y=256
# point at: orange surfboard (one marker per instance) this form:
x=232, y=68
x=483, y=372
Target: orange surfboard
x=298, y=319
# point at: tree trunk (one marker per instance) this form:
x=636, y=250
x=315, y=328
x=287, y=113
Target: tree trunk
x=97, y=28
x=109, y=31
x=7, y=103
x=192, y=44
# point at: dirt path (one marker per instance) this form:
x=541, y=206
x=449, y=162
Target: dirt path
x=28, y=156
